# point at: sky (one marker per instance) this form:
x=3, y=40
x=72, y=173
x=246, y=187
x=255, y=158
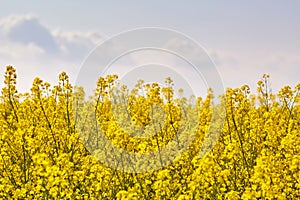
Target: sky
x=245, y=39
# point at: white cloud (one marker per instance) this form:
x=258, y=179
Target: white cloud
x=26, y=29
x=36, y=50
x=76, y=44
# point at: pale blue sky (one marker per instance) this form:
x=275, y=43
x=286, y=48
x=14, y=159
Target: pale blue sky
x=217, y=22
x=244, y=38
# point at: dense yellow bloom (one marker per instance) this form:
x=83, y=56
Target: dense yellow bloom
x=48, y=142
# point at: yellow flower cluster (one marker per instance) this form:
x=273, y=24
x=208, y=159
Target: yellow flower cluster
x=48, y=144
